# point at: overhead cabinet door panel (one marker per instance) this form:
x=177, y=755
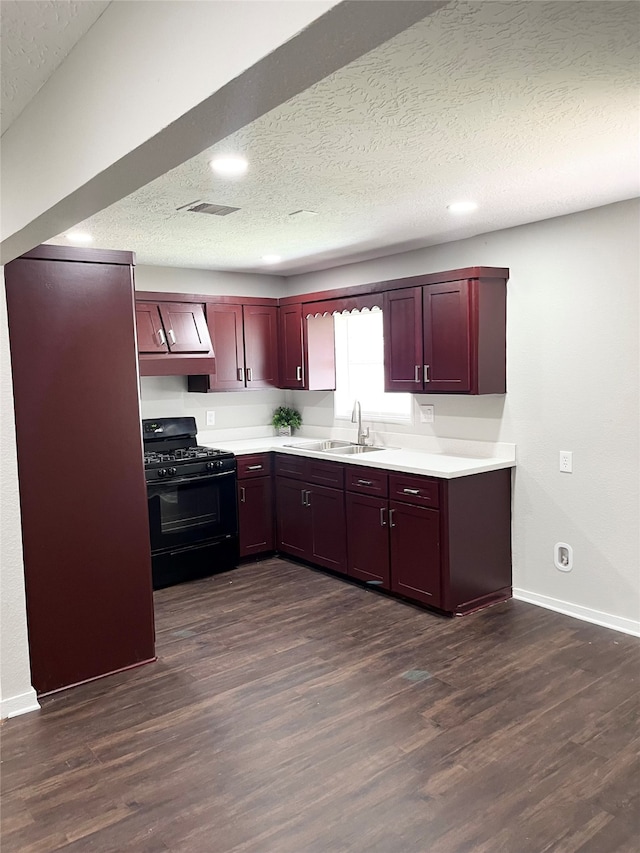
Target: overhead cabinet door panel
x=402, y=319
x=447, y=339
x=261, y=345
x=185, y=327
x=151, y=336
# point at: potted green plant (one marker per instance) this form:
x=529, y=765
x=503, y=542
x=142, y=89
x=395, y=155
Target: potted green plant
x=285, y=420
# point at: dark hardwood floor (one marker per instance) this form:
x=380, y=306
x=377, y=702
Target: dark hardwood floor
x=290, y=712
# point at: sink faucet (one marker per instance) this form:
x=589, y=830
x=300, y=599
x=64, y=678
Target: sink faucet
x=356, y=418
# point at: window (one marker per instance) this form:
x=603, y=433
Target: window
x=360, y=369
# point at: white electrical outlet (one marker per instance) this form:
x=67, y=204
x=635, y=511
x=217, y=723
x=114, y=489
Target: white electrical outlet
x=427, y=414
x=211, y=418
x=566, y=461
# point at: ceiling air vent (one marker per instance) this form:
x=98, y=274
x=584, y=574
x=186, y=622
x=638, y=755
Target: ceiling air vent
x=212, y=209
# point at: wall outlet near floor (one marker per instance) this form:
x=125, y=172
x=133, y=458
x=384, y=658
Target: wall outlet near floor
x=563, y=557
x=427, y=414
x=566, y=461
x=211, y=418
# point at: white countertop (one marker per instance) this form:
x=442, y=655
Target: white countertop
x=408, y=461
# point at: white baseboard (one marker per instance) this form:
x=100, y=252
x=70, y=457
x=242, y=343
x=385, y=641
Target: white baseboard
x=16, y=705
x=597, y=617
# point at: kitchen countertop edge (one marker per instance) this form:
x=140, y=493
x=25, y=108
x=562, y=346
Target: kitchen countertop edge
x=405, y=461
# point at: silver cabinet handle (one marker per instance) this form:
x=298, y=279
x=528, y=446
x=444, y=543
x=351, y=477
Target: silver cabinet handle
x=365, y=482
x=171, y=335
x=241, y=374
x=391, y=521
x=298, y=374
x=416, y=373
x=426, y=373
x=303, y=495
x=254, y=467
x=163, y=340
x=249, y=376
x=383, y=523
x=411, y=491
x=308, y=498
x=243, y=495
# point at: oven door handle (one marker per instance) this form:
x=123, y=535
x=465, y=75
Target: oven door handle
x=178, y=481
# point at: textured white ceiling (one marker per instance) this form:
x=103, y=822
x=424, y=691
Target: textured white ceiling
x=36, y=37
x=530, y=108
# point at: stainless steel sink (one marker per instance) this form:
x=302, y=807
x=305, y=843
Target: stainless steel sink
x=356, y=448
x=328, y=444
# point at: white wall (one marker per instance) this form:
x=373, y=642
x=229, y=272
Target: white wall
x=573, y=384
x=16, y=693
x=236, y=413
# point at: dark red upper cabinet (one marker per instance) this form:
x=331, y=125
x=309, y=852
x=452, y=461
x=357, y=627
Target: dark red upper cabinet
x=291, y=347
x=402, y=323
x=446, y=338
x=151, y=335
x=227, y=334
x=185, y=327
x=261, y=345
x=307, y=349
x=447, y=333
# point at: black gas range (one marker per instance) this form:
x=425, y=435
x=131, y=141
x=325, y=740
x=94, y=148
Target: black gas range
x=191, y=493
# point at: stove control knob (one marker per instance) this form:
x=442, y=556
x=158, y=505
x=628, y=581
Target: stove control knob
x=172, y=471
x=162, y=472
x=210, y=466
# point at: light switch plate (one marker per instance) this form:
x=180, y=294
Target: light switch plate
x=427, y=414
x=211, y=418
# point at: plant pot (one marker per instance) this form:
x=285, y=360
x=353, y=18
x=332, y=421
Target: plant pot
x=284, y=430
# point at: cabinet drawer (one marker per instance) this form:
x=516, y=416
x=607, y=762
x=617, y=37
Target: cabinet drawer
x=367, y=481
x=323, y=473
x=255, y=465
x=415, y=490
x=291, y=466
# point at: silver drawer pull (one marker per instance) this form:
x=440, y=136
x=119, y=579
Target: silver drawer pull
x=249, y=374
x=383, y=523
x=365, y=482
x=163, y=340
x=416, y=374
x=298, y=374
x=411, y=491
x=243, y=495
x=426, y=373
x=171, y=335
x=254, y=467
x=241, y=374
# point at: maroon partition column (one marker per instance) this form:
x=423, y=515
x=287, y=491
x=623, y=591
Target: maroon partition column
x=82, y=490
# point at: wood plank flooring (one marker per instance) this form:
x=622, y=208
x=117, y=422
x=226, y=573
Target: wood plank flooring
x=291, y=712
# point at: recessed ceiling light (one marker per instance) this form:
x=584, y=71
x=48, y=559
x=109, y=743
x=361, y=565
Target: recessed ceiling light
x=462, y=206
x=79, y=237
x=229, y=165
x=272, y=259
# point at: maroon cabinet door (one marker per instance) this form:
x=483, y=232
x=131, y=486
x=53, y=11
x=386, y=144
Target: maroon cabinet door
x=415, y=552
x=185, y=326
x=255, y=516
x=294, y=518
x=261, y=346
x=226, y=329
x=85, y=527
x=291, y=347
x=368, y=539
x=447, y=337
x=151, y=335
x=402, y=321
x=328, y=527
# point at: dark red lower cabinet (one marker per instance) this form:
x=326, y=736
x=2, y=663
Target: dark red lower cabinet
x=255, y=516
x=311, y=523
x=415, y=552
x=368, y=539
